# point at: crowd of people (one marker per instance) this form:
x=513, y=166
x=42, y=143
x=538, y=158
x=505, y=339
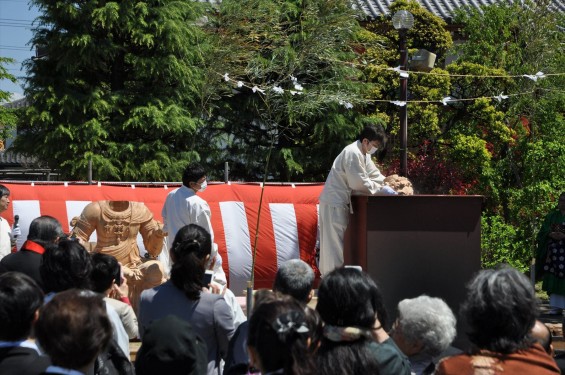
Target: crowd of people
x=64, y=310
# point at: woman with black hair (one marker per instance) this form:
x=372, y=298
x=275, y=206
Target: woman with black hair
x=280, y=338
x=354, y=340
x=186, y=296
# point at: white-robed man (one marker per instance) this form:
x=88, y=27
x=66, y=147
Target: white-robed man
x=353, y=171
x=183, y=207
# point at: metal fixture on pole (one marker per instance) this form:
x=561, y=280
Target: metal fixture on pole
x=402, y=21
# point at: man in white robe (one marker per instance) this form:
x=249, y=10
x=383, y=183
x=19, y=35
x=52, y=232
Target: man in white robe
x=352, y=172
x=182, y=207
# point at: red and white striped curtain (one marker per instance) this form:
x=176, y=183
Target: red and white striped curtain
x=287, y=230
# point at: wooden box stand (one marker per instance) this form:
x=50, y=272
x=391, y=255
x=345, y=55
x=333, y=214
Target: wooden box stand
x=413, y=245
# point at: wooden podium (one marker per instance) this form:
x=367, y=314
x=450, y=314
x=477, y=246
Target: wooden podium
x=420, y=244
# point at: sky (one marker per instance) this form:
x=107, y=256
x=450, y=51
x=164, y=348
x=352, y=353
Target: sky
x=16, y=19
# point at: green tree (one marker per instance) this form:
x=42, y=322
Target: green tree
x=119, y=84
x=7, y=115
x=527, y=175
x=293, y=58
x=511, y=151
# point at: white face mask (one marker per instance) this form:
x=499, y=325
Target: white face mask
x=372, y=150
x=203, y=185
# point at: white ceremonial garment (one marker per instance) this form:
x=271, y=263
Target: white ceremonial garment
x=5, y=238
x=352, y=172
x=182, y=207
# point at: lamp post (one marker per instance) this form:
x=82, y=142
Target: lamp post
x=402, y=21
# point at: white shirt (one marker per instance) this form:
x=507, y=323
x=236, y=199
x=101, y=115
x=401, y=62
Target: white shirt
x=352, y=173
x=182, y=207
x=5, y=237
x=119, y=332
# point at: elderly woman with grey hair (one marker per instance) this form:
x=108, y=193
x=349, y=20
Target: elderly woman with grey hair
x=425, y=328
x=500, y=310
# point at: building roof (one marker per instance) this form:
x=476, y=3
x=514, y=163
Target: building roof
x=441, y=8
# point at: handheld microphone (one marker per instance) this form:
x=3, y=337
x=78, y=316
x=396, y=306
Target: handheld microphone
x=16, y=224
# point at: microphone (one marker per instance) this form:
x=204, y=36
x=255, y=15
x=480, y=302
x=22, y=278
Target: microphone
x=16, y=224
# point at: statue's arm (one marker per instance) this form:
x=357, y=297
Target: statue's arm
x=86, y=223
x=153, y=236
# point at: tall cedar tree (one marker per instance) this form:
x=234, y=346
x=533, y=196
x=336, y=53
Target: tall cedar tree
x=118, y=84
x=7, y=115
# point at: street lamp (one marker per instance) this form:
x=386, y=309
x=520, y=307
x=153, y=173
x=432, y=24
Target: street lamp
x=402, y=21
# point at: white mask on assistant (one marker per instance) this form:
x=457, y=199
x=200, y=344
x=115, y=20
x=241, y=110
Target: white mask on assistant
x=372, y=150
x=203, y=185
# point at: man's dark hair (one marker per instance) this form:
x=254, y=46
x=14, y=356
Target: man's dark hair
x=500, y=310
x=295, y=278
x=193, y=173
x=104, y=270
x=373, y=133
x=45, y=230
x=65, y=265
x=73, y=328
x=20, y=297
x=4, y=191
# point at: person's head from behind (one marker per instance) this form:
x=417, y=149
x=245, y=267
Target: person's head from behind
x=171, y=346
x=45, y=230
x=279, y=337
x=372, y=138
x=20, y=299
x=190, y=253
x=73, y=328
x=500, y=310
x=348, y=297
x=349, y=303
x=65, y=265
x=295, y=278
x=105, y=269
x=194, y=177
x=424, y=325
x=541, y=333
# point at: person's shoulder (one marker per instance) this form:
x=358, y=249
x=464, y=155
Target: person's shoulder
x=211, y=300
x=18, y=259
x=211, y=297
x=174, y=191
x=116, y=304
x=7, y=260
x=21, y=361
x=450, y=365
x=351, y=147
x=152, y=291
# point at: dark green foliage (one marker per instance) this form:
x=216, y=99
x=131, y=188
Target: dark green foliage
x=264, y=44
x=511, y=151
x=7, y=115
x=527, y=174
x=119, y=85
